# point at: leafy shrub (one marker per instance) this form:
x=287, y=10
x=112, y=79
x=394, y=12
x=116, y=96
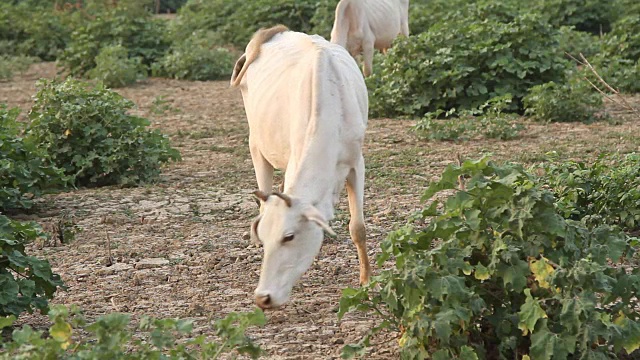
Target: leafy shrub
x=201, y=16
x=576, y=42
x=593, y=16
x=171, y=6
x=25, y=169
x=498, y=273
x=129, y=26
x=461, y=63
x=253, y=15
x=624, y=38
x=195, y=59
x=89, y=134
x=605, y=192
x=236, y=22
x=575, y=100
x=110, y=337
x=488, y=121
x=322, y=20
x=33, y=30
x=26, y=282
x=114, y=68
x=622, y=74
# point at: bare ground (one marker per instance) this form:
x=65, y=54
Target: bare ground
x=191, y=224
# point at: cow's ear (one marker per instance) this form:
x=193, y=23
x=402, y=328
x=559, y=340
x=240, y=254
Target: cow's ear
x=237, y=69
x=254, y=230
x=312, y=214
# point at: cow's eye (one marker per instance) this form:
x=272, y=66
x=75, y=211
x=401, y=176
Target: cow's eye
x=287, y=238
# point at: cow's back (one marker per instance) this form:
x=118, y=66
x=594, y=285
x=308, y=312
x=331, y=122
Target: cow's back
x=301, y=82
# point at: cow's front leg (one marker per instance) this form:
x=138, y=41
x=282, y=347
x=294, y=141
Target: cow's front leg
x=355, y=191
x=264, y=172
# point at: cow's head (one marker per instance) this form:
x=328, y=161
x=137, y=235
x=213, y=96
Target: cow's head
x=291, y=232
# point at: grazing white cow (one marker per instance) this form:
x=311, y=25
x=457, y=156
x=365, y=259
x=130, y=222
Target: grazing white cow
x=306, y=103
x=362, y=25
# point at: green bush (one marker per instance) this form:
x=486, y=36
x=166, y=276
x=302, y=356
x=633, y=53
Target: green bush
x=622, y=74
x=33, y=30
x=253, y=15
x=497, y=273
x=235, y=23
x=576, y=42
x=89, y=134
x=171, y=6
x=605, y=192
x=322, y=20
x=461, y=62
x=25, y=170
x=624, y=38
x=425, y=13
x=114, y=68
x=111, y=337
x=201, y=16
x=488, y=121
x=129, y=26
x=575, y=100
x=26, y=282
x=593, y=16
x=195, y=59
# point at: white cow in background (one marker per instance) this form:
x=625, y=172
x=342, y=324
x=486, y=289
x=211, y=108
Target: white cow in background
x=362, y=25
x=306, y=103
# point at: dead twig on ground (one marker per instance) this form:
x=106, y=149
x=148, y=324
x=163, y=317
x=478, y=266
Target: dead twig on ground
x=109, y=260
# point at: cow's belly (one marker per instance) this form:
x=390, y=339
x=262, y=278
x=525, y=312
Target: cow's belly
x=269, y=134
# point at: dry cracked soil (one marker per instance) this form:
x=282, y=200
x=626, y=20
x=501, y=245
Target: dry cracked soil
x=179, y=246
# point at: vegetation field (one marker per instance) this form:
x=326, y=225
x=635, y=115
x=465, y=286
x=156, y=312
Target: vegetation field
x=180, y=247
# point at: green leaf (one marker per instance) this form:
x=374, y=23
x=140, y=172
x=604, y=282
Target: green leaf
x=530, y=313
x=545, y=344
x=7, y=321
x=467, y=353
x=481, y=273
x=541, y=270
x=61, y=332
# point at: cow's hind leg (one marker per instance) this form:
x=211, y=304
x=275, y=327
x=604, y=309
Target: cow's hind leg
x=367, y=54
x=355, y=191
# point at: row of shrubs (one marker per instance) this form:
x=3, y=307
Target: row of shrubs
x=116, y=45
x=466, y=53
x=461, y=54
x=514, y=265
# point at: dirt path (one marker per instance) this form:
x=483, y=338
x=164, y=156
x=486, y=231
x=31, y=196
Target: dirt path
x=178, y=245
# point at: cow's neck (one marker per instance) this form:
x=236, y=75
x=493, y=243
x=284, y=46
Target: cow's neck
x=311, y=177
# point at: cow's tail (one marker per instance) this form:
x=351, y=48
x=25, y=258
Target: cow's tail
x=253, y=51
x=340, y=31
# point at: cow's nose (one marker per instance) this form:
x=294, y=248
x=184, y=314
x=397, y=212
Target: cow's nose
x=263, y=301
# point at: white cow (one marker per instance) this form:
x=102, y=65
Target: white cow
x=306, y=103
x=362, y=25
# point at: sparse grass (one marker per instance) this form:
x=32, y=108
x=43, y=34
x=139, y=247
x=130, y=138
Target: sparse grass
x=162, y=106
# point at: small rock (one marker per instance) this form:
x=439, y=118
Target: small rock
x=113, y=269
x=151, y=263
x=245, y=235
